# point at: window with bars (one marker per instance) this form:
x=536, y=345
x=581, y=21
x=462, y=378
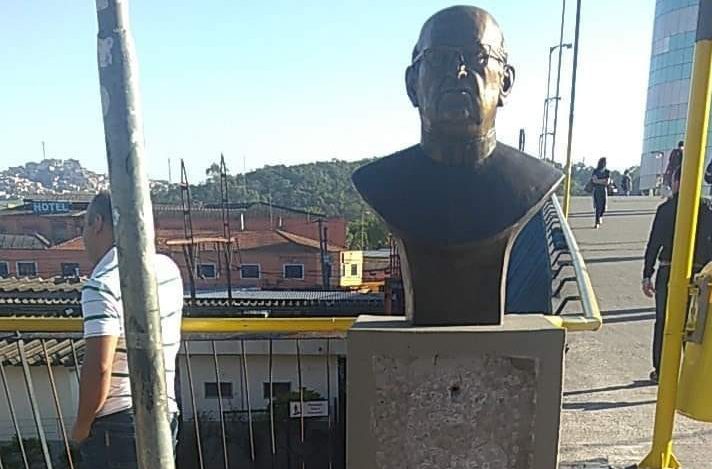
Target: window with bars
x=70, y=269
x=211, y=390
x=279, y=389
x=294, y=271
x=26, y=269
x=250, y=271
x=207, y=271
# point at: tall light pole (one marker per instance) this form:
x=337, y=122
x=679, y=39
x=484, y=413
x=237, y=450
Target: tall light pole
x=543, y=137
x=558, y=81
x=572, y=104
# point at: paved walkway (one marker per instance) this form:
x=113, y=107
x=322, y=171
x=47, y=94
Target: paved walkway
x=608, y=404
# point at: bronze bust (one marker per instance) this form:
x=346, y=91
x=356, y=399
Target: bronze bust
x=457, y=200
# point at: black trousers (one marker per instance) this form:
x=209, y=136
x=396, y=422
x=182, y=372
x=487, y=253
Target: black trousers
x=661, y=293
x=599, y=202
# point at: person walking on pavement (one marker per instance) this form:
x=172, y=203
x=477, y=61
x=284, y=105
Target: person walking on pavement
x=674, y=163
x=626, y=183
x=600, y=179
x=659, y=248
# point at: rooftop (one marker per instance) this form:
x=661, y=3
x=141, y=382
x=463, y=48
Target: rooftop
x=21, y=241
x=61, y=297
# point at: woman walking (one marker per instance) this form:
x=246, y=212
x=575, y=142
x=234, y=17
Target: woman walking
x=600, y=180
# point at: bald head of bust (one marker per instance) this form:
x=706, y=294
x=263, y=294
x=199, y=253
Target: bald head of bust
x=458, y=77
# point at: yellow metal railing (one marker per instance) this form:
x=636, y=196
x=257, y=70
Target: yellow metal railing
x=591, y=319
x=197, y=325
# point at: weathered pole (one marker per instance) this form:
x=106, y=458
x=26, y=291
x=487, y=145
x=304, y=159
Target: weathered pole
x=134, y=232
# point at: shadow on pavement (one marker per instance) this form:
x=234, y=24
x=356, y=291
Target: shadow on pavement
x=616, y=312
x=603, y=405
x=619, y=387
x=644, y=317
x=601, y=260
x=615, y=213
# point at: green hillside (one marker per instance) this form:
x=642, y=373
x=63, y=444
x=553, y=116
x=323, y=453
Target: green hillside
x=323, y=187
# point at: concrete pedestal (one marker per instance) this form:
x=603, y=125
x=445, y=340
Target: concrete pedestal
x=454, y=397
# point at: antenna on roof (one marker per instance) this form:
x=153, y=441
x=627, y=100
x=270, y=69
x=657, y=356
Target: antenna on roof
x=188, y=249
x=227, y=232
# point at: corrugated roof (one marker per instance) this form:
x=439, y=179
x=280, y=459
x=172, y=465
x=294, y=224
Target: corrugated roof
x=59, y=352
x=74, y=244
x=250, y=239
x=21, y=241
x=62, y=297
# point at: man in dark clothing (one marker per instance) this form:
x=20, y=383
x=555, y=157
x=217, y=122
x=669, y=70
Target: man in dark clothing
x=659, y=248
x=626, y=183
x=674, y=163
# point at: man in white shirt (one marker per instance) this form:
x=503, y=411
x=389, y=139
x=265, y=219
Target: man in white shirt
x=104, y=427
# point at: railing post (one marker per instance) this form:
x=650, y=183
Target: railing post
x=134, y=233
x=661, y=455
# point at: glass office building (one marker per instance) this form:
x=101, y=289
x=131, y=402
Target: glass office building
x=668, y=86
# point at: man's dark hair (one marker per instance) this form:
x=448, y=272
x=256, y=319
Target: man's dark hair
x=680, y=144
x=100, y=206
x=601, y=163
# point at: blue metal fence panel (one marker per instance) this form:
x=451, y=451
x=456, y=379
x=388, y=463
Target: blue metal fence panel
x=529, y=274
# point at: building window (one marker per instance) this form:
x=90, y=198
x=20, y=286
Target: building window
x=250, y=271
x=207, y=271
x=70, y=269
x=4, y=270
x=211, y=390
x=354, y=269
x=279, y=389
x=294, y=271
x=26, y=269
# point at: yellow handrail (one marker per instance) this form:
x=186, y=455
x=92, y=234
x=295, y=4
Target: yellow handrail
x=591, y=319
x=196, y=325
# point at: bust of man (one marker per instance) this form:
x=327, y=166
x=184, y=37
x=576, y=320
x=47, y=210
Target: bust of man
x=456, y=201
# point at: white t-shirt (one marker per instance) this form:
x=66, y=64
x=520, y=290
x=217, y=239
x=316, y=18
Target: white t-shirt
x=103, y=315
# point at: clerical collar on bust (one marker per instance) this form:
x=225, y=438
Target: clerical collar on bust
x=469, y=153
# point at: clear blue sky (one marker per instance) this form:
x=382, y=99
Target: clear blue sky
x=284, y=82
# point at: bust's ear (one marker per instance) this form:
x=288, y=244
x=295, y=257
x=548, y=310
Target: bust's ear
x=508, y=76
x=411, y=75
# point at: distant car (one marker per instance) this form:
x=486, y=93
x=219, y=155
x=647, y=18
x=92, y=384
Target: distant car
x=612, y=189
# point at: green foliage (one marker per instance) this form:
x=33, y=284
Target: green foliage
x=322, y=187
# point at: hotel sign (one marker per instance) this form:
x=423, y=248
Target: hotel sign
x=44, y=207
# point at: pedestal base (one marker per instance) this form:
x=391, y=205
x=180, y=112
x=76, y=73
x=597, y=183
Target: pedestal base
x=454, y=397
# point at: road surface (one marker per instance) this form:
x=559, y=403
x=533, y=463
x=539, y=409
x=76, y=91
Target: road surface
x=608, y=403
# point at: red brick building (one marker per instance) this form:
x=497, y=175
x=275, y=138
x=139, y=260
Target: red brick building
x=272, y=247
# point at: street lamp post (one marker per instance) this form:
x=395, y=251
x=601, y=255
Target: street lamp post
x=545, y=117
x=558, y=82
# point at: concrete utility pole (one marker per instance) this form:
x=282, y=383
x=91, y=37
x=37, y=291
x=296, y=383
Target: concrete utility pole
x=133, y=225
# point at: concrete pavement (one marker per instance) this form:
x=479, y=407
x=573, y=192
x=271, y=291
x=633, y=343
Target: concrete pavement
x=609, y=404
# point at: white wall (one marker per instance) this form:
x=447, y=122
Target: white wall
x=67, y=390
x=284, y=369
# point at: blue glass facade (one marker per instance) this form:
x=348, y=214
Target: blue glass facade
x=668, y=84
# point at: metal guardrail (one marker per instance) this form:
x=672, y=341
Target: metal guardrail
x=258, y=402
x=563, y=243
